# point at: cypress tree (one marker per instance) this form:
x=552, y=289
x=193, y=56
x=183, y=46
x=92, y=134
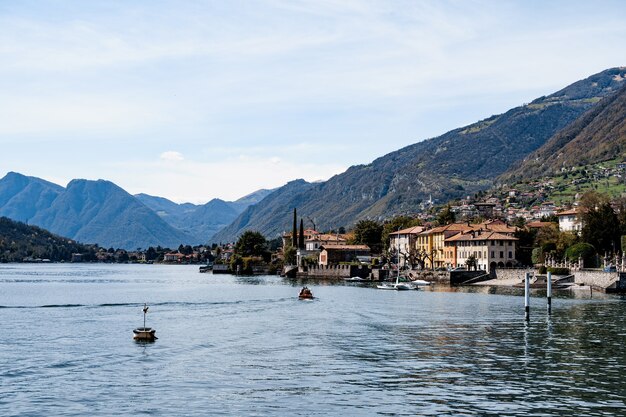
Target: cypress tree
x=301, y=237
x=294, y=231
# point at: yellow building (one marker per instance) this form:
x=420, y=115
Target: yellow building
x=431, y=244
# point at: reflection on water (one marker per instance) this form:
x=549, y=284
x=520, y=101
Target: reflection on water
x=246, y=346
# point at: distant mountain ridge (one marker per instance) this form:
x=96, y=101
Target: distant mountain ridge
x=103, y=213
x=460, y=162
x=201, y=222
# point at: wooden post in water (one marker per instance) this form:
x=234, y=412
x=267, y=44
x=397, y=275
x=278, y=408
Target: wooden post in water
x=527, y=296
x=549, y=289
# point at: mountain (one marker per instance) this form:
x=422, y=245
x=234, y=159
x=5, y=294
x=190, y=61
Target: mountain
x=101, y=212
x=166, y=208
x=21, y=197
x=88, y=211
x=250, y=199
x=273, y=215
x=201, y=222
x=596, y=136
x=19, y=241
x=453, y=165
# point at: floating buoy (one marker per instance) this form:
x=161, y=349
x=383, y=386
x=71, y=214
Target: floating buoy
x=145, y=334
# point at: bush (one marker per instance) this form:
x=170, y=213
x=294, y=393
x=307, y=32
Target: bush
x=542, y=270
x=251, y=261
x=584, y=250
x=558, y=271
x=537, y=256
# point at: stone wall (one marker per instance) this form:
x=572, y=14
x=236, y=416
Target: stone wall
x=380, y=274
x=596, y=278
x=438, y=277
x=335, y=271
x=511, y=273
x=621, y=284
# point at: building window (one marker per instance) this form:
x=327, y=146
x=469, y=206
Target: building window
x=493, y=254
x=501, y=254
x=510, y=254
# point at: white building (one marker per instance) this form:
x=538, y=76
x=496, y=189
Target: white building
x=403, y=240
x=569, y=221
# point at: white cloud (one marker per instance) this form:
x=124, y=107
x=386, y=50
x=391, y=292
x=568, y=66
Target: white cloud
x=172, y=156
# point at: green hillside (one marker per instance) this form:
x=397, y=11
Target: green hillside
x=19, y=242
x=598, y=135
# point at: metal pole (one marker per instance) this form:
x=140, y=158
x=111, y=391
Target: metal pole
x=527, y=296
x=549, y=284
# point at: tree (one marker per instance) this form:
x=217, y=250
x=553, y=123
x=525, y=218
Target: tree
x=290, y=255
x=470, y=262
x=301, y=235
x=368, y=232
x=294, y=230
x=274, y=244
x=519, y=222
x=151, y=254
x=251, y=244
x=395, y=224
x=525, y=244
x=446, y=216
x=601, y=226
x=582, y=250
x=185, y=250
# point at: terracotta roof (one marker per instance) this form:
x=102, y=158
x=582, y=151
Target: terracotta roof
x=327, y=237
x=480, y=236
x=456, y=227
x=538, y=224
x=409, y=231
x=568, y=212
x=345, y=247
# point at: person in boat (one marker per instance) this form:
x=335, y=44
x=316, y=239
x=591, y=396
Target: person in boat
x=305, y=292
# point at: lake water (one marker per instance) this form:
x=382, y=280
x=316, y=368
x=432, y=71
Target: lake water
x=247, y=347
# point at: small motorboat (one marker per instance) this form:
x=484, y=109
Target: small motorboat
x=385, y=286
x=144, y=334
x=355, y=279
x=305, y=294
x=420, y=282
x=398, y=285
x=403, y=286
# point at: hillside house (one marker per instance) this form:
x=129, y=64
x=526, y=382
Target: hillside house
x=335, y=254
x=315, y=242
x=173, y=257
x=569, y=221
x=308, y=235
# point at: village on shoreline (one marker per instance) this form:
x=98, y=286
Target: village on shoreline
x=485, y=247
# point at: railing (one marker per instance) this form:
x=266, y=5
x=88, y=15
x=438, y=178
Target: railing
x=610, y=263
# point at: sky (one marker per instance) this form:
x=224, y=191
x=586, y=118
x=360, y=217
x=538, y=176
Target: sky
x=194, y=100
